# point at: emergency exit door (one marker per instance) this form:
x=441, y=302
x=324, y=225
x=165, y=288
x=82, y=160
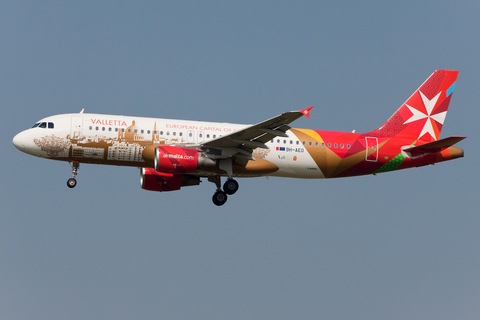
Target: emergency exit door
x=371, y=149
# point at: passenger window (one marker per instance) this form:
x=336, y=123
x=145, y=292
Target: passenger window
x=316, y=144
x=181, y=134
x=50, y=125
x=303, y=142
x=190, y=134
x=323, y=144
x=141, y=131
x=109, y=128
x=335, y=145
x=329, y=144
x=123, y=130
x=348, y=146
x=310, y=143
x=90, y=128
x=341, y=146
x=103, y=128
x=298, y=142
x=116, y=129
x=43, y=125
x=148, y=131
x=96, y=128
x=129, y=130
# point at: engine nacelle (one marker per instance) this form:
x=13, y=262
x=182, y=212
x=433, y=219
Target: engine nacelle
x=172, y=159
x=157, y=181
x=175, y=159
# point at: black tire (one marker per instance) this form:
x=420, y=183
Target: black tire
x=219, y=198
x=71, y=183
x=230, y=186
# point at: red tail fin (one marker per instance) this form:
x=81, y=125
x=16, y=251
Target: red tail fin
x=423, y=114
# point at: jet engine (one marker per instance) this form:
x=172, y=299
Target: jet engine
x=176, y=160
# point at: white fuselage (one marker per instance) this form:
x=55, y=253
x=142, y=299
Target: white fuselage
x=119, y=140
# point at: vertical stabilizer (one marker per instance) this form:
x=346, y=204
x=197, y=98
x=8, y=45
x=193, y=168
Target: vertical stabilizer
x=423, y=114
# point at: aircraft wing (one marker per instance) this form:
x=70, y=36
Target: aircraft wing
x=242, y=142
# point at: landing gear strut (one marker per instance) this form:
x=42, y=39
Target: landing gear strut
x=229, y=188
x=72, y=182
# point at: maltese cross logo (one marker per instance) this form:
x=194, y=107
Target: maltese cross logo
x=428, y=127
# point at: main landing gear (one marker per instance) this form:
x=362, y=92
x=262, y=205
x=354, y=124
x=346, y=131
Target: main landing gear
x=229, y=188
x=72, y=182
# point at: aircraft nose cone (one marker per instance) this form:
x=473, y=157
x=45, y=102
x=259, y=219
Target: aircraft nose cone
x=19, y=142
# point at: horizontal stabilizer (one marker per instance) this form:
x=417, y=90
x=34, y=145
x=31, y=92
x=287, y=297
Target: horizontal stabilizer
x=435, y=146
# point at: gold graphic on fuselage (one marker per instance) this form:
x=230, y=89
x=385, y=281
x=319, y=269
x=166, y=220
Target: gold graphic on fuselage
x=126, y=147
x=53, y=146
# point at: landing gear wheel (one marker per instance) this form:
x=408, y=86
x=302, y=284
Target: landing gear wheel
x=219, y=198
x=230, y=186
x=71, y=183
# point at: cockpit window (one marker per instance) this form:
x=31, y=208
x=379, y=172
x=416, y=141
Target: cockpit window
x=48, y=125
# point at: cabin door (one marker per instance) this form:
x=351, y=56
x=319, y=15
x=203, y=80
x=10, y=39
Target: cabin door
x=190, y=136
x=76, y=129
x=371, y=149
x=200, y=136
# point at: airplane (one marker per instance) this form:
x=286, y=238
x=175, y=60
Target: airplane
x=172, y=154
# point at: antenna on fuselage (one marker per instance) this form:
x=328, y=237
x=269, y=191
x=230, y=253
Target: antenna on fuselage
x=82, y=110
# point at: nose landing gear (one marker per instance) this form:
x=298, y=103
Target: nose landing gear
x=72, y=182
x=229, y=188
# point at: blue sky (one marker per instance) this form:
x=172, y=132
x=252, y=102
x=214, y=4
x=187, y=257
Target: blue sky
x=400, y=245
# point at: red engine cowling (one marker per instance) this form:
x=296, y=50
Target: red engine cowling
x=172, y=159
x=157, y=181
